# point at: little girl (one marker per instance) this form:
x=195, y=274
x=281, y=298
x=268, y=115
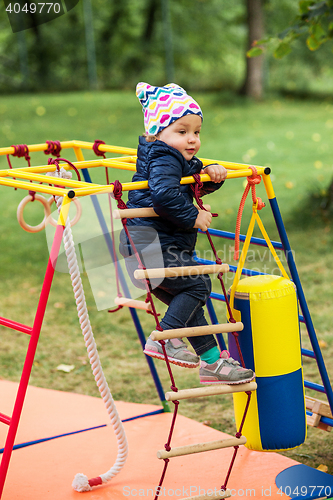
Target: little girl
x=166, y=153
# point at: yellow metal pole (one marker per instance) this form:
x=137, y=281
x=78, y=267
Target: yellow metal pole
x=35, y=147
x=65, y=208
x=118, y=164
x=28, y=186
x=52, y=168
x=130, y=186
x=105, y=148
x=268, y=186
x=229, y=164
x=43, y=178
x=78, y=152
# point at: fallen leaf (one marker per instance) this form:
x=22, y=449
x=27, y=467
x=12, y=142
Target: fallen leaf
x=65, y=368
x=322, y=344
x=322, y=467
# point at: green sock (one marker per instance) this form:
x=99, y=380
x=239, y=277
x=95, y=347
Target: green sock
x=211, y=356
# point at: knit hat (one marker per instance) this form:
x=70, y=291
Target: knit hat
x=164, y=105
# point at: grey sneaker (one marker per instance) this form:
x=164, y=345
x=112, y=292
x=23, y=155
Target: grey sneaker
x=176, y=351
x=224, y=371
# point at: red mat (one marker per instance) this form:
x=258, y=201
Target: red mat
x=45, y=471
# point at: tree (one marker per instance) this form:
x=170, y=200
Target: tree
x=253, y=83
x=315, y=23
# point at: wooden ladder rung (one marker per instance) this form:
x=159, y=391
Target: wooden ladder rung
x=194, y=331
x=201, y=447
x=215, y=496
x=210, y=390
x=319, y=409
x=131, y=213
x=173, y=272
x=5, y=419
x=318, y=406
x=136, y=304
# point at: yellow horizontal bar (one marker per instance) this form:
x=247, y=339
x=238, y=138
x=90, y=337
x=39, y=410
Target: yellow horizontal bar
x=229, y=164
x=105, y=148
x=236, y=174
x=100, y=162
x=28, y=186
x=128, y=159
x=71, y=144
x=48, y=179
x=130, y=186
x=119, y=164
x=51, y=168
x=35, y=147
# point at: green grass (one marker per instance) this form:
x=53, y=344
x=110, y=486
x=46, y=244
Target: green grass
x=293, y=138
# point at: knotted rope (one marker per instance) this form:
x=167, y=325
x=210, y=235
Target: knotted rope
x=96, y=150
x=81, y=482
x=53, y=148
x=252, y=181
x=20, y=150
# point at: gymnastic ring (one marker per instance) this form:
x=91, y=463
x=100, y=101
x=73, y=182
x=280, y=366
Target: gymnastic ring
x=20, y=208
x=77, y=217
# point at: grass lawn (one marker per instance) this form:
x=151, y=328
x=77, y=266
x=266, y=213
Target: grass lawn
x=293, y=138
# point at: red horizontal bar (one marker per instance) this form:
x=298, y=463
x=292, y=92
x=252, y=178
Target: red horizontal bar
x=15, y=326
x=4, y=419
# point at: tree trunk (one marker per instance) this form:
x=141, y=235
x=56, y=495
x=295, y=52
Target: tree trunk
x=253, y=83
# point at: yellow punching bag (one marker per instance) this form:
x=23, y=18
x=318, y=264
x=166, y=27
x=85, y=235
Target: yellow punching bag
x=270, y=344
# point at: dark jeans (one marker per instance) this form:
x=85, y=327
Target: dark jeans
x=185, y=296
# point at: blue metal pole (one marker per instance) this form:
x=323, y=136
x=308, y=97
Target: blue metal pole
x=302, y=301
x=122, y=280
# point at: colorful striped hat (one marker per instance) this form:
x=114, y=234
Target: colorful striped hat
x=164, y=105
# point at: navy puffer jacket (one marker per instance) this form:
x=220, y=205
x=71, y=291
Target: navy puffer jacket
x=163, y=166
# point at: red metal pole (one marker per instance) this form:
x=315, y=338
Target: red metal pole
x=14, y=421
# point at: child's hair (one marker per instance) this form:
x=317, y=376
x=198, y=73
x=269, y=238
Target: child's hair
x=150, y=137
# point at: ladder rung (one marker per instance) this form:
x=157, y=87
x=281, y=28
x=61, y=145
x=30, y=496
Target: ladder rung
x=210, y=390
x=197, y=330
x=216, y=495
x=131, y=213
x=136, y=304
x=173, y=272
x=5, y=419
x=201, y=447
x=317, y=406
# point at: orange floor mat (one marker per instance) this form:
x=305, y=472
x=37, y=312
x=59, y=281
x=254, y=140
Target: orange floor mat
x=45, y=471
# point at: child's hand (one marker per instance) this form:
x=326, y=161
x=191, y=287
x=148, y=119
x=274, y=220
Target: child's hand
x=203, y=220
x=217, y=173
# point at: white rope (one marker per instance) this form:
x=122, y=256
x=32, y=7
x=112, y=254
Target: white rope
x=81, y=482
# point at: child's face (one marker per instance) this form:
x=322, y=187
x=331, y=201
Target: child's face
x=183, y=135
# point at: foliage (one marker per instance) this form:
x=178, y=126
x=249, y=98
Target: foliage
x=130, y=46
x=208, y=41
x=314, y=20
